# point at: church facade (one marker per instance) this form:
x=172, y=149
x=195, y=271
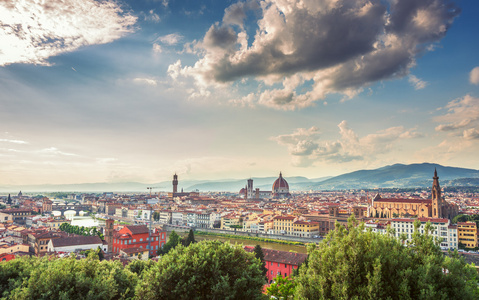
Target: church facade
x=436, y=207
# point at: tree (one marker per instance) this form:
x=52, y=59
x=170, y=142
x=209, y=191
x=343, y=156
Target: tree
x=461, y=218
x=156, y=216
x=357, y=263
x=189, y=239
x=204, y=270
x=282, y=288
x=258, y=253
x=173, y=241
x=67, y=278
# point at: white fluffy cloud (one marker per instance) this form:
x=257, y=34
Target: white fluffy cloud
x=474, y=76
x=306, y=147
x=32, y=31
x=338, y=45
x=462, y=116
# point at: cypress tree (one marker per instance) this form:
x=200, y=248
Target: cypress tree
x=258, y=253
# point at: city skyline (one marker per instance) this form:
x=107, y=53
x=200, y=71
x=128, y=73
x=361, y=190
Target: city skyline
x=139, y=90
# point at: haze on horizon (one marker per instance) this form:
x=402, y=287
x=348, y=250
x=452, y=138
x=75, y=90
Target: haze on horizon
x=113, y=91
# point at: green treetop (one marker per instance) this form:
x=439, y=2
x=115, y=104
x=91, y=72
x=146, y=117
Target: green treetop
x=356, y=263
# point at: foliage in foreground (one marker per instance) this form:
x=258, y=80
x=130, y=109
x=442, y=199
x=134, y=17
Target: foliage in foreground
x=354, y=263
x=205, y=270
x=68, y=278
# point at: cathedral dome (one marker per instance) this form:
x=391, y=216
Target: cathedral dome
x=280, y=185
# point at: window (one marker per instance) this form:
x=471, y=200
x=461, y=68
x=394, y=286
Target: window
x=285, y=266
x=141, y=240
x=271, y=272
x=278, y=264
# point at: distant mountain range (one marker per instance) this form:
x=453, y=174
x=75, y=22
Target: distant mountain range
x=394, y=176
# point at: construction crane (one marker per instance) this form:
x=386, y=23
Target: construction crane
x=150, y=188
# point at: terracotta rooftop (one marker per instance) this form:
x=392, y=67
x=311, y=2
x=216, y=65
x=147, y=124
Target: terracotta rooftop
x=137, y=229
x=76, y=240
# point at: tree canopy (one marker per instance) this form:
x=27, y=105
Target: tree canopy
x=204, y=270
x=356, y=263
x=68, y=278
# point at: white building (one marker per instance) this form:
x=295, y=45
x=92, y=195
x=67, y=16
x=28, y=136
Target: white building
x=442, y=230
x=76, y=243
x=177, y=218
x=165, y=217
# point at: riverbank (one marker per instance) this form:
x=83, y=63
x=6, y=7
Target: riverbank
x=253, y=238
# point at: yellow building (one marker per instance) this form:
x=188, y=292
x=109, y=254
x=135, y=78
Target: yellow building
x=305, y=228
x=467, y=232
x=283, y=224
x=231, y=220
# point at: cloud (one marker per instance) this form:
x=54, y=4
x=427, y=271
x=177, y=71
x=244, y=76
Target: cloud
x=306, y=147
x=340, y=46
x=462, y=117
x=417, y=83
x=474, y=76
x=170, y=39
x=32, y=31
x=157, y=48
x=13, y=141
x=52, y=151
x=145, y=81
x=471, y=134
x=152, y=17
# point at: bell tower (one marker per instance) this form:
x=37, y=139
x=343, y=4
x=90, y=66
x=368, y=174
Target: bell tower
x=109, y=234
x=175, y=184
x=436, y=197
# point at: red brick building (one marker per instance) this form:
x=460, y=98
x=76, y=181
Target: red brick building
x=280, y=262
x=137, y=236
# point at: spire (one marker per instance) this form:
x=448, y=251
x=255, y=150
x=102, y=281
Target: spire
x=435, y=173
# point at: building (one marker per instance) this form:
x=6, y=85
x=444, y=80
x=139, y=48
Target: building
x=280, y=262
x=436, y=207
x=175, y=192
x=306, y=229
x=442, y=230
x=108, y=233
x=467, y=233
x=137, y=236
x=76, y=243
x=135, y=253
x=280, y=188
x=42, y=241
x=17, y=215
x=250, y=192
x=283, y=225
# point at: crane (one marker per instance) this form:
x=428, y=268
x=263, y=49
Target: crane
x=150, y=188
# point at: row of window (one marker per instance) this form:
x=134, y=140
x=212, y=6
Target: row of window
x=125, y=242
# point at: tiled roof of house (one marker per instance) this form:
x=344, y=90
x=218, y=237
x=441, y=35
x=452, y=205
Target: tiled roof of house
x=76, y=241
x=137, y=229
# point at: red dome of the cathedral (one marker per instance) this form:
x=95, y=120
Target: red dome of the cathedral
x=280, y=183
x=281, y=188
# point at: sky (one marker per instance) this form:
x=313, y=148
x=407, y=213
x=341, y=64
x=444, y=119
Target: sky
x=136, y=90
